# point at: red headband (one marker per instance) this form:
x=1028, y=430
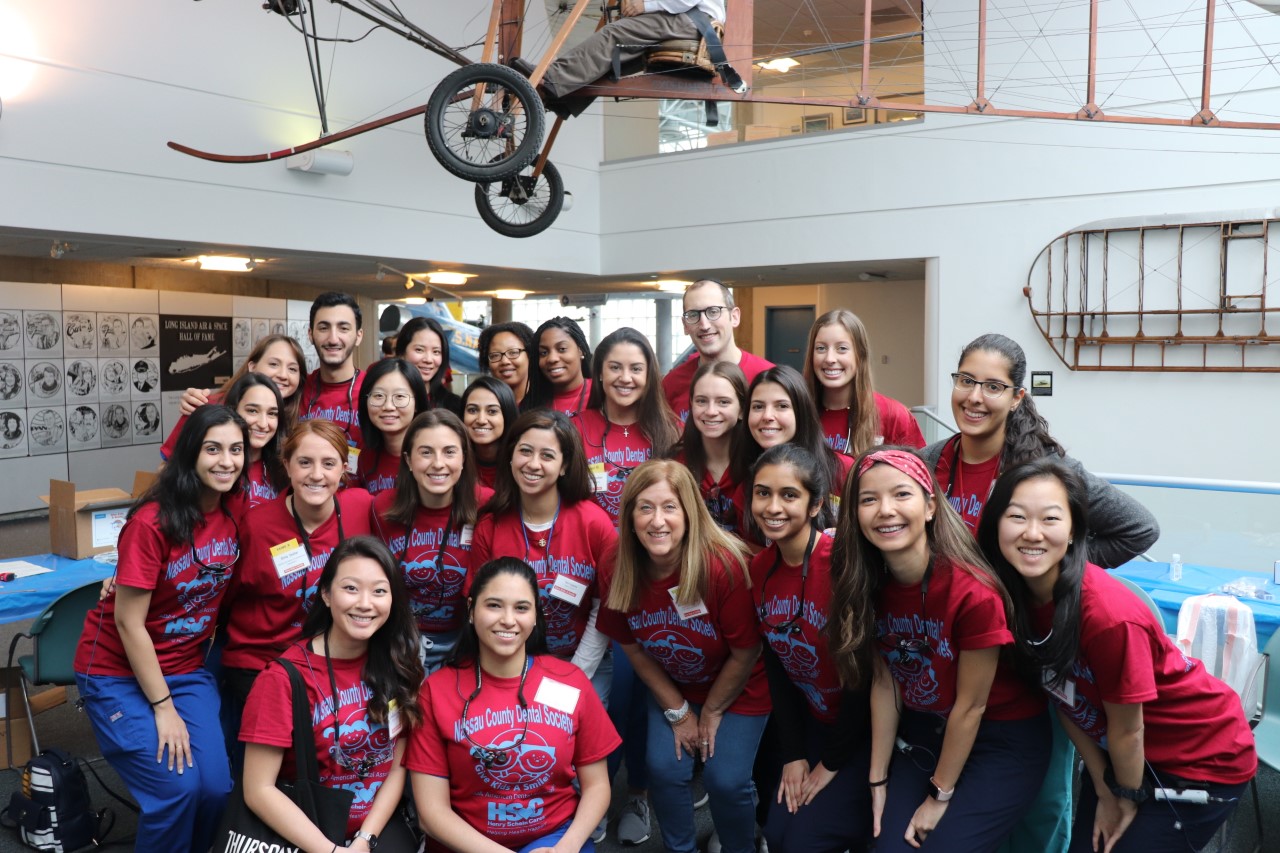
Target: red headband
x=907, y=463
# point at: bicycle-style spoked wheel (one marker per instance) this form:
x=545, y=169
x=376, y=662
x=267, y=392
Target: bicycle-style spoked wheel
x=519, y=206
x=485, y=122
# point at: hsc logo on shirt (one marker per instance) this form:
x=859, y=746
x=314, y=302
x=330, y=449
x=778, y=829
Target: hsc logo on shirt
x=515, y=812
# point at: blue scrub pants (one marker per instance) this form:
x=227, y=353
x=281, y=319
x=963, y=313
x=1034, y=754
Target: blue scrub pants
x=726, y=776
x=1160, y=826
x=838, y=818
x=1000, y=780
x=628, y=709
x=179, y=811
x=1046, y=827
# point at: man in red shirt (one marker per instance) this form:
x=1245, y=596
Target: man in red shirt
x=709, y=319
x=332, y=392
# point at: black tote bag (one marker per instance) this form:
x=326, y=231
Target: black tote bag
x=326, y=807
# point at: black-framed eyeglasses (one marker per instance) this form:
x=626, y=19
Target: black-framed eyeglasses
x=510, y=354
x=711, y=312
x=991, y=388
x=400, y=399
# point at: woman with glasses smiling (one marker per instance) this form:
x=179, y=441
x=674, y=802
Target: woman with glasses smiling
x=504, y=353
x=392, y=394
x=1000, y=429
x=917, y=613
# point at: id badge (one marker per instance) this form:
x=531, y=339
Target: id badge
x=688, y=611
x=554, y=694
x=289, y=558
x=600, y=477
x=464, y=538
x=567, y=589
x=394, y=726
x=1065, y=694
x=353, y=459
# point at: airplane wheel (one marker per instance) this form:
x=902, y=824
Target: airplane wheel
x=494, y=139
x=518, y=206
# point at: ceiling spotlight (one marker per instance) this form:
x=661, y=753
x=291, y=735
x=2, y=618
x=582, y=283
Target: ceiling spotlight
x=872, y=276
x=782, y=64
x=381, y=274
x=225, y=263
x=447, y=277
x=511, y=293
x=409, y=282
x=672, y=285
x=57, y=250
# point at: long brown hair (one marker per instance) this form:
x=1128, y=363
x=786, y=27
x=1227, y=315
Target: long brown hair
x=864, y=415
x=703, y=540
x=463, y=509
x=695, y=453
x=654, y=415
x=859, y=573
x=289, y=411
x=575, y=482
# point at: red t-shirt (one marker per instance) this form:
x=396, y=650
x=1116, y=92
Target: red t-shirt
x=973, y=483
x=170, y=443
x=573, y=402
x=1192, y=723
x=725, y=499
x=487, y=474
x=679, y=380
x=580, y=545
x=803, y=652
x=959, y=614
x=267, y=609
x=613, y=452
x=376, y=471
x=184, y=595
x=897, y=426
x=434, y=566
x=258, y=489
x=344, y=741
x=527, y=793
x=333, y=401
x=693, y=651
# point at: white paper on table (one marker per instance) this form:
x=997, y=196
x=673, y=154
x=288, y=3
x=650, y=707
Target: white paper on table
x=22, y=569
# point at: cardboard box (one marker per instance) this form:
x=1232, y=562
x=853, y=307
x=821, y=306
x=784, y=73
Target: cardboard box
x=13, y=714
x=88, y=522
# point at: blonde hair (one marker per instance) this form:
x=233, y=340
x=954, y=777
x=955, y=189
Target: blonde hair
x=703, y=540
x=864, y=416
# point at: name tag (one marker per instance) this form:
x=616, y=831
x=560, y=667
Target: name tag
x=289, y=557
x=353, y=459
x=688, y=611
x=553, y=694
x=1065, y=694
x=394, y=725
x=464, y=539
x=567, y=589
x=600, y=477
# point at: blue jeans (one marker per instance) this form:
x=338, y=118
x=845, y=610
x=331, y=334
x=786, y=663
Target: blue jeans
x=179, y=811
x=551, y=839
x=1001, y=778
x=726, y=776
x=628, y=709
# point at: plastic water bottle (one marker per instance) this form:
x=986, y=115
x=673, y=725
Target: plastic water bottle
x=1175, y=568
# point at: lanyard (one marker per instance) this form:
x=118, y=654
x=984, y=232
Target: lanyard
x=302, y=531
x=604, y=446
x=546, y=549
x=441, y=542
x=955, y=465
x=792, y=624
x=220, y=568
x=351, y=388
x=363, y=766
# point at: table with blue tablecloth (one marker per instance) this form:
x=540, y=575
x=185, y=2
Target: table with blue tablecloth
x=26, y=598
x=1198, y=580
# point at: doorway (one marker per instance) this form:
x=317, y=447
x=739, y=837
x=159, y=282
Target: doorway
x=786, y=331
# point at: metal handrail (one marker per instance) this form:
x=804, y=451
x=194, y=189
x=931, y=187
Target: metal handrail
x=930, y=415
x=1195, y=483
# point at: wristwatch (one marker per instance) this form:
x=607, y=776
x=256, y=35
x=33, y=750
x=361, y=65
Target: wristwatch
x=1134, y=795
x=367, y=837
x=677, y=715
x=938, y=794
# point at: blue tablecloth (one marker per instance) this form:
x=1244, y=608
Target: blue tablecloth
x=25, y=598
x=1198, y=580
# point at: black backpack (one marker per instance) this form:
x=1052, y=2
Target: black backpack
x=52, y=811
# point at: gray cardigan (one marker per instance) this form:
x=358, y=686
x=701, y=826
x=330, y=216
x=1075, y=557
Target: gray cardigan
x=1120, y=528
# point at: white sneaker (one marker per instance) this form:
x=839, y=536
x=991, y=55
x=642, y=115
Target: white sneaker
x=633, y=822
x=713, y=845
x=601, y=831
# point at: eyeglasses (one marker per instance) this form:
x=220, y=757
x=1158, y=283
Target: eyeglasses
x=711, y=312
x=511, y=354
x=991, y=388
x=399, y=399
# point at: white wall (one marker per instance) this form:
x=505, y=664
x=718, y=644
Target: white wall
x=983, y=196
x=82, y=148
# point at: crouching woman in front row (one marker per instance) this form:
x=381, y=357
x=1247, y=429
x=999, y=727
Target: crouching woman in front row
x=359, y=662
x=508, y=728
x=1143, y=715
